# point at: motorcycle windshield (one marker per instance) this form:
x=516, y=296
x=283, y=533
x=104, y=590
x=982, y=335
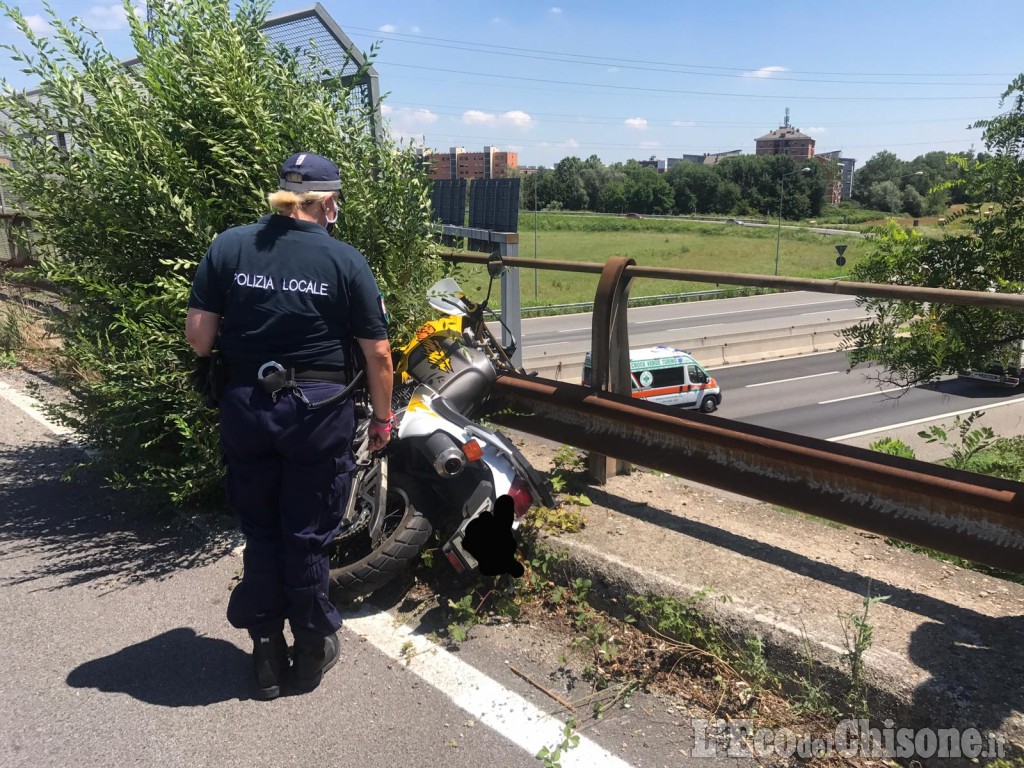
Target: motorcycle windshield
x=444, y=297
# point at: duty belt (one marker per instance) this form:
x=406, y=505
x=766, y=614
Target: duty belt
x=273, y=378
x=273, y=375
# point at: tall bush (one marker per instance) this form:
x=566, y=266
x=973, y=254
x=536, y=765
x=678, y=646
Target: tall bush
x=164, y=155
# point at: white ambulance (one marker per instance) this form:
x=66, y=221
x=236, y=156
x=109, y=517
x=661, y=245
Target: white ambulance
x=668, y=376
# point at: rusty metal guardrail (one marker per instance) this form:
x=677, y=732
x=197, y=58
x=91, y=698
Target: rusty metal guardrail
x=973, y=516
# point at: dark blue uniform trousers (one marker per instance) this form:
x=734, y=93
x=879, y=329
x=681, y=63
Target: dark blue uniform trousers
x=289, y=473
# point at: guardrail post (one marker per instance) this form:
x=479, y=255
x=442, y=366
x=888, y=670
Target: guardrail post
x=511, y=307
x=609, y=351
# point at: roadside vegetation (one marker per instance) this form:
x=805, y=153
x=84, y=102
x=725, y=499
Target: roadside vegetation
x=642, y=643
x=165, y=155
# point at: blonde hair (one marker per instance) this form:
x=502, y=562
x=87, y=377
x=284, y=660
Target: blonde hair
x=285, y=201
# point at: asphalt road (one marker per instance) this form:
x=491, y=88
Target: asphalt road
x=813, y=395
x=565, y=336
x=116, y=652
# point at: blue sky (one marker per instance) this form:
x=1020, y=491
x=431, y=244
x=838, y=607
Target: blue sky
x=632, y=80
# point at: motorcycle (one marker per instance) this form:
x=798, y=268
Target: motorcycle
x=444, y=470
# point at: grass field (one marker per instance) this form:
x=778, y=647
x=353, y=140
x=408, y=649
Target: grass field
x=661, y=243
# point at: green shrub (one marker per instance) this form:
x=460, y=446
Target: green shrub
x=164, y=155
x=894, y=447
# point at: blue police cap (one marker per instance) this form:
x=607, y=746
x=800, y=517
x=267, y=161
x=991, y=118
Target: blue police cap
x=306, y=172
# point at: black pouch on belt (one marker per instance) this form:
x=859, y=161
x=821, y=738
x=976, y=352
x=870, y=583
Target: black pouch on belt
x=209, y=378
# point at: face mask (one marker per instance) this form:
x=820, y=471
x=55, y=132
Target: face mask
x=331, y=222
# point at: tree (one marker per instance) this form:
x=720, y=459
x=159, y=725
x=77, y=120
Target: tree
x=572, y=192
x=166, y=154
x=885, y=196
x=913, y=202
x=646, y=190
x=918, y=342
x=884, y=166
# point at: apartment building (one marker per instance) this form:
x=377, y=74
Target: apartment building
x=457, y=163
x=846, y=166
x=786, y=140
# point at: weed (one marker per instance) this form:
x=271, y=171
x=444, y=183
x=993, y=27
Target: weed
x=562, y=519
x=570, y=740
x=569, y=465
x=894, y=447
x=811, y=696
x=8, y=360
x=465, y=617
x=858, y=632
x=752, y=664
x=971, y=443
x=682, y=621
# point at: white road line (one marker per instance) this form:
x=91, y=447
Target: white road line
x=936, y=417
x=795, y=378
x=506, y=712
x=31, y=407
x=574, y=330
x=755, y=309
x=775, y=359
x=865, y=394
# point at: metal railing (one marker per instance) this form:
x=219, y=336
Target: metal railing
x=964, y=514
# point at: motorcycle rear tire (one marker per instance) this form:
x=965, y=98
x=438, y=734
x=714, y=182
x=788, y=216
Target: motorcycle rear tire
x=395, y=554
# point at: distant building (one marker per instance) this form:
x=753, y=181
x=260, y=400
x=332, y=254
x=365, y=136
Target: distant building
x=847, y=165
x=708, y=158
x=457, y=163
x=786, y=140
x=656, y=163
x=528, y=170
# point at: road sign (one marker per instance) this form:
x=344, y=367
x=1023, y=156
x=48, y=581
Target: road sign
x=840, y=261
x=841, y=249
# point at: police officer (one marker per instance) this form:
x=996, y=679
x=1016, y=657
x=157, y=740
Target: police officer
x=283, y=300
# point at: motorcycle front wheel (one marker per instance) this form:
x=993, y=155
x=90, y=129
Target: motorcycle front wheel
x=358, y=567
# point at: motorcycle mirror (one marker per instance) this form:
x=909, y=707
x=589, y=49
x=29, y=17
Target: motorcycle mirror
x=495, y=265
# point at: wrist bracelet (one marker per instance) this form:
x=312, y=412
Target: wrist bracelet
x=389, y=420
x=382, y=427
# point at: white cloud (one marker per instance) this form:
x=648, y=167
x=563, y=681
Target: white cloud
x=683, y=123
x=650, y=144
x=415, y=30
x=816, y=129
x=408, y=123
x=764, y=72
x=37, y=24
x=101, y=17
x=518, y=118
x=387, y=28
x=476, y=117
x=555, y=10
x=408, y=118
x=613, y=70
x=640, y=123
x=497, y=20
x=514, y=117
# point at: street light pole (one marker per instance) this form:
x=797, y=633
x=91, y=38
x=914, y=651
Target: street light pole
x=778, y=235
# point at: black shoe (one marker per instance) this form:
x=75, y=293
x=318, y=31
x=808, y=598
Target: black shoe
x=269, y=663
x=313, y=655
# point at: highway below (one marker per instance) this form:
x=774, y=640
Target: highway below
x=816, y=395
x=813, y=395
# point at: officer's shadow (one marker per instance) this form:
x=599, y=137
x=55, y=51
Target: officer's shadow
x=175, y=669
x=976, y=672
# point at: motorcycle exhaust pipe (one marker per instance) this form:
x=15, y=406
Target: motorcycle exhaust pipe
x=446, y=457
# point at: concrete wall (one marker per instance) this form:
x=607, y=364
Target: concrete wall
x=719, y=350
